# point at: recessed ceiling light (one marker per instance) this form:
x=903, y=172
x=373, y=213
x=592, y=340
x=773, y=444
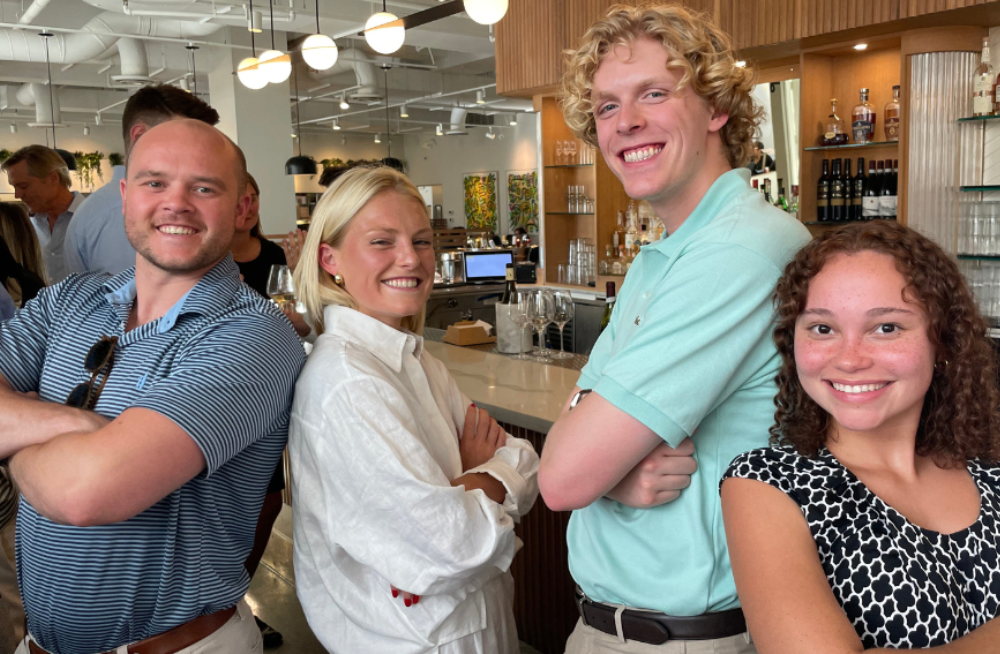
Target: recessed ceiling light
x=861, y=46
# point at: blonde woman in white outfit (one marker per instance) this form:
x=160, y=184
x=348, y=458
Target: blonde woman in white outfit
x=405, y=495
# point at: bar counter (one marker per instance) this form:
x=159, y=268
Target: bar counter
x=525, y=397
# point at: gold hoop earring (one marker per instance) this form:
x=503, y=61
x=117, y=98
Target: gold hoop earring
x=338, y=280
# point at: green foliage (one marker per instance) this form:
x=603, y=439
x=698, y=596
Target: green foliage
x=5, y=154
x=116, y=159
x=87, y=164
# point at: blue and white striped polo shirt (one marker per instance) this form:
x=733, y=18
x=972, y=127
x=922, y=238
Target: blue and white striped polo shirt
x=222, y=364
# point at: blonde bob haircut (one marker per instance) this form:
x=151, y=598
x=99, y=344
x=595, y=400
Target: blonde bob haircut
x=331, y=218
x=695, y=46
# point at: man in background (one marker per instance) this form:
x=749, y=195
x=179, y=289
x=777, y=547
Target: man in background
x=41, y=180
x=95, y=240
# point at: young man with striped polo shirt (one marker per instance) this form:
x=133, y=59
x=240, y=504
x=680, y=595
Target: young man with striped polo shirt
x=138, y=508
x=685, y=371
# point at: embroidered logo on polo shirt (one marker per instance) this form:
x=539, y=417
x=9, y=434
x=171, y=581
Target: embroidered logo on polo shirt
x=139, y=385
x=637, y=321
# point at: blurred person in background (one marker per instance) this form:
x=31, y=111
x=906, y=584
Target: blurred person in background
x=406, y=494
x=96, y=240
x=41, y=180
x=22, y=271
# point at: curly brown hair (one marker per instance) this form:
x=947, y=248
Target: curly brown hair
x=696, y=47
x=960, y=418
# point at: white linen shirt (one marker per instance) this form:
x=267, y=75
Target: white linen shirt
x=374, y=444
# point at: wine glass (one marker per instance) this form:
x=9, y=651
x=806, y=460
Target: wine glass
x=570, y=148
x=280, y=287
x=563, y=309
x=519, y=316
x=540, y=309
x=559, y=152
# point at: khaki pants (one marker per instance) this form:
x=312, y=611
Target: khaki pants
x=11, y=608
x=239, y=635
x=587, y=640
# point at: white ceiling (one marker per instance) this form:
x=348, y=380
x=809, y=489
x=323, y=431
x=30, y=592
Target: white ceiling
x=440, y=66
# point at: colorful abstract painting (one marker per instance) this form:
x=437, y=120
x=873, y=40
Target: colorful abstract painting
x=481, y=201
x=522, y=200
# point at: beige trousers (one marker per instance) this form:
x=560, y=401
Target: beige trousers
x=11, y=608
x=240, y=635
x=587, y=640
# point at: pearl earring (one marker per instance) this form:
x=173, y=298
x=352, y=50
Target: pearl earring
x=338, y=280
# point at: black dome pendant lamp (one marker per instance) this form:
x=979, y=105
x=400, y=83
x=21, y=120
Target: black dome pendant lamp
x=65, y=154
x=299, y=165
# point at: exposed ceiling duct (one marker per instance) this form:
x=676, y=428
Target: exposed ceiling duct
x=135, y=66
x=47, y=111
x=457, y=127
x=368, y=83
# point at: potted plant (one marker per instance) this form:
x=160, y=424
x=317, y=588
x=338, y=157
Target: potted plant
x=87, y=164
x=116, y=159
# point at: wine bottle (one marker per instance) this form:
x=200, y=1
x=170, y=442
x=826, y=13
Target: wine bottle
x=885, y=196
x=823, y=194
x=858, y=191
x=893, y=191
x=837, y=206
x=848, y=191
x=869, y=202
x=609, y=305
x=510, y=289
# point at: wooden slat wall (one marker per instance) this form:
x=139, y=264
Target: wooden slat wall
x=910, y=8
x=825, y=16
x=759, y=22
x=529, y=41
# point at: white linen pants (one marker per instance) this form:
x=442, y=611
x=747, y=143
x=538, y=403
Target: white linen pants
x=587, y=640
x=240, y=635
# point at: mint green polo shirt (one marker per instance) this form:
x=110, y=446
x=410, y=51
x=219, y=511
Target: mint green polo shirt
x=688, y=350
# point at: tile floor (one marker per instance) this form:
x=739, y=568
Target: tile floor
x=272, y=594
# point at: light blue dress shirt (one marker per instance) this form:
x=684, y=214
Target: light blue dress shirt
x=53, y=241
x=7, y=306
x=96, y=241
x=688, y=349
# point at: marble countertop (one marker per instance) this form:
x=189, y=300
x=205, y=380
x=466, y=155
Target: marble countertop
x=522, y=393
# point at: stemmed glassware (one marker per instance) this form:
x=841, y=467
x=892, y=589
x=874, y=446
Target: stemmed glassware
x=540, y=307
x=560, y=153
x=280, y=286
x=520, y=318
x=563, y=309
x=571, y=152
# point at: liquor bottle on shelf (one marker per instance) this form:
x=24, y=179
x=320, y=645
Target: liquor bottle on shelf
x=782, y=202
x=619, y=236
x=858, y=191
x=848, y=191
x=510, y=288
x=863, y=120
x=609, y=305
x=886, y=195
x=643, y=235
x=632, y=231
x=983, y=83
x=835, y=134
x=604, y=267
x=756, y=186
x=892, y=116
x=869, y=203
x=767, y=191
x=838, y=210
x=823, y=194
x=793, y=206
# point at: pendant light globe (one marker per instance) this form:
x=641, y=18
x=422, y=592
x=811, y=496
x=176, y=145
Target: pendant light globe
x=320, y=52
x=486, y=12
x=276, y=66
x=383, y=38
x=250, y=74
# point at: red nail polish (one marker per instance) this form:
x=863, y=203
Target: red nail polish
x=416, y=598
x=407, y=602
x=395, y=593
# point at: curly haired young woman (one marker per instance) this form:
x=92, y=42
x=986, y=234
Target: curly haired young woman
x=873, y=521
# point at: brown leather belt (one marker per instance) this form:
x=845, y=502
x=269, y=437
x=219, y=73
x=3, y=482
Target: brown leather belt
x=656, y=628
x=174, y=640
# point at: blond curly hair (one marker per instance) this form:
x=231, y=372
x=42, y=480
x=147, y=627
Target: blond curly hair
x=695, y=46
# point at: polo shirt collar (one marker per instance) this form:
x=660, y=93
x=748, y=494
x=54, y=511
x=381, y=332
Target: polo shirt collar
x=387, y=344
x=723, y=191
x=42, y=219
x=215, y=289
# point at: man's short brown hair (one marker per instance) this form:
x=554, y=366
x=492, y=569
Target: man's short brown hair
x=695, y=46
x=41, y=161
x=152, y=105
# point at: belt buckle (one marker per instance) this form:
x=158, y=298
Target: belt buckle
x=581, y=597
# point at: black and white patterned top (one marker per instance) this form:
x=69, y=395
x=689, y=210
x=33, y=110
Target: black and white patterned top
x=902, y=586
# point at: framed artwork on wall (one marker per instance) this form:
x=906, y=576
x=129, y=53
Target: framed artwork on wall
x=481, y=201
x=522, y=200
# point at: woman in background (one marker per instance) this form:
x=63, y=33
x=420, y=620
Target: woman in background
x=874, y=520
x=405, y=494
x=22, y=270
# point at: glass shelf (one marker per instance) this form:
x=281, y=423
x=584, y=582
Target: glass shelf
x=979, y=189
x=853, y=146
x=568, y=213
x=570, y=166
x=836, y=223
x=979, y=257
x=978, y=118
